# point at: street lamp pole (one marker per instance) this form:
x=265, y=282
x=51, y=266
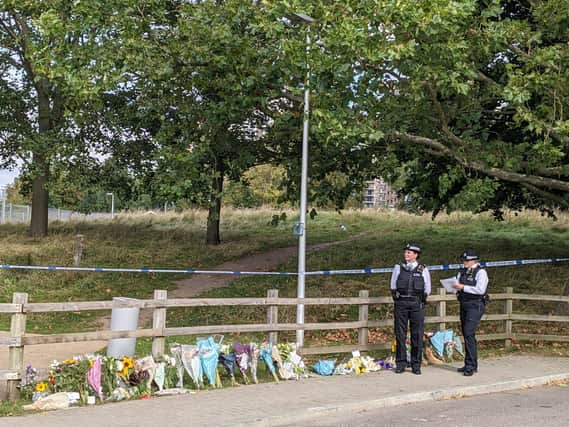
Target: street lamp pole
x=112, y=204
x=305, y=19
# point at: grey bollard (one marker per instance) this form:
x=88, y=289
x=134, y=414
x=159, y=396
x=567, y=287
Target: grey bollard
x=123, y=319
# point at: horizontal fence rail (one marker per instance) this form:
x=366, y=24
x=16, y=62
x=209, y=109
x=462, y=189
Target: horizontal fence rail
x=20, y=307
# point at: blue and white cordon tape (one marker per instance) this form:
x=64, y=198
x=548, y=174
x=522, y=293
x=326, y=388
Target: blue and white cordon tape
x=275, y=273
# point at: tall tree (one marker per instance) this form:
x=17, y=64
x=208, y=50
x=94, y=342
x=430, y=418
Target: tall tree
x=213, y=75
x=54, y=62
x=464, y=100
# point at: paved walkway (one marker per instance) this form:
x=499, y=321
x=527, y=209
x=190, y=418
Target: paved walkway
x=295, y=402
x=41, y=355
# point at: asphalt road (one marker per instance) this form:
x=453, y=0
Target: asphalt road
x=543, y=407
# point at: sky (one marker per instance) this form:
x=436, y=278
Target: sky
x=7, y=177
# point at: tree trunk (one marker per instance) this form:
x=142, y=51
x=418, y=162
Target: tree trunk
x=40, y=194
x=40, y=198
x=214, y=213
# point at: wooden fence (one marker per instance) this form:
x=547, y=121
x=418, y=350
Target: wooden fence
x=20, y=307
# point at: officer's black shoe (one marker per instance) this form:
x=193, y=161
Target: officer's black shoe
x=417, y=371
x=469, y=373
x=461, y=370
x=399, y=370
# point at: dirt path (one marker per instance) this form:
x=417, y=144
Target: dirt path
x=266, y=261
x=41, y=355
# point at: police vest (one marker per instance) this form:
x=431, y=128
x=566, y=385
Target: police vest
x=411, y=282
x=467, y=277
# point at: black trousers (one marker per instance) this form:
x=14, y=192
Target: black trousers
x=409, y=311
x=470, y=314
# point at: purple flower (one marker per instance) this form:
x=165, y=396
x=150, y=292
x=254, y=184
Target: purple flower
x=384, y=365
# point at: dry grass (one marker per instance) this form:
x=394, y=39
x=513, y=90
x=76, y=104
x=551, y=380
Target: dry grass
x=176, y=240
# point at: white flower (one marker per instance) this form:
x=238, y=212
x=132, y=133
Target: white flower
x=170, y=360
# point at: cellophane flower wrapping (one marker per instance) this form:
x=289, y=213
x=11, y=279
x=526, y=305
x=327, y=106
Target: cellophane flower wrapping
x=94, y=377
x=209, y=356
x=266, y=355
x=192, y=362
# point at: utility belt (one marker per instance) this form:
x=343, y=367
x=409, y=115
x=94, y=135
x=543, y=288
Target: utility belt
x=465, y=296
x=412, y=297
x=409, y=296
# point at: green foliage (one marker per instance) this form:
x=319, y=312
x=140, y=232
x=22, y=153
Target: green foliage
x=179, y=97
x=266, y=183
x=58, y=63
x=278, y=219
x=239, y=195
x=474, y=195
x=17, y=193
x=10, y=409
x=477, y=85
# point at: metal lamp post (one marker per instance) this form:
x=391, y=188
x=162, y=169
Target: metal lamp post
x=112, y=204
x=301, y=226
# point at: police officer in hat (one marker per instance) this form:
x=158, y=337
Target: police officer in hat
x=472, y=293
x=410, y=286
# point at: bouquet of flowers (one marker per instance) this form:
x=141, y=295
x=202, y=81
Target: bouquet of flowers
x=293, y=366
x=209, y=351
x=357, y=365
x=442, y=346
x=266, y=354
x=227, y=359
x=244, y=355
x=386, y=364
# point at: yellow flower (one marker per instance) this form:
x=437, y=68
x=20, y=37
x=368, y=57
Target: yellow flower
x=69, y=362
x=127, y=363
x=90, y=363
x=41, y=387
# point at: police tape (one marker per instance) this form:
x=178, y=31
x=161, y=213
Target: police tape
x=274, y=273
x=444, y=266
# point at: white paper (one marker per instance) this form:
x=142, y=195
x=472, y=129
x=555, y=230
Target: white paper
x=447, y=284
x=294, y=358
x=356, y=353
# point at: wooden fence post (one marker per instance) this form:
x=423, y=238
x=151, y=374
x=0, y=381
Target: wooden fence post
x=273, y=316
x=363, y=310
x=78, y=247
x=159, y=323
x=16, y=352
x=442, y=309
x=508, y=306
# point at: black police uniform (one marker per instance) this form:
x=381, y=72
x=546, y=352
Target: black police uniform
x=409, y=297
x=472, y=307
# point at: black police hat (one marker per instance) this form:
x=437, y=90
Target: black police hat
x=413, y=247
x=469, y=255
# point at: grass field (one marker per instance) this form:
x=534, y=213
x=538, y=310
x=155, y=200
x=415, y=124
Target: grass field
x=375, y=239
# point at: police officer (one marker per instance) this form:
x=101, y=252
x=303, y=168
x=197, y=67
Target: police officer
x=410, y=286
x=472, y=293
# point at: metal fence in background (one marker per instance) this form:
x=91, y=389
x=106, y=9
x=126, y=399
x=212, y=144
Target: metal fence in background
x=12, y=213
